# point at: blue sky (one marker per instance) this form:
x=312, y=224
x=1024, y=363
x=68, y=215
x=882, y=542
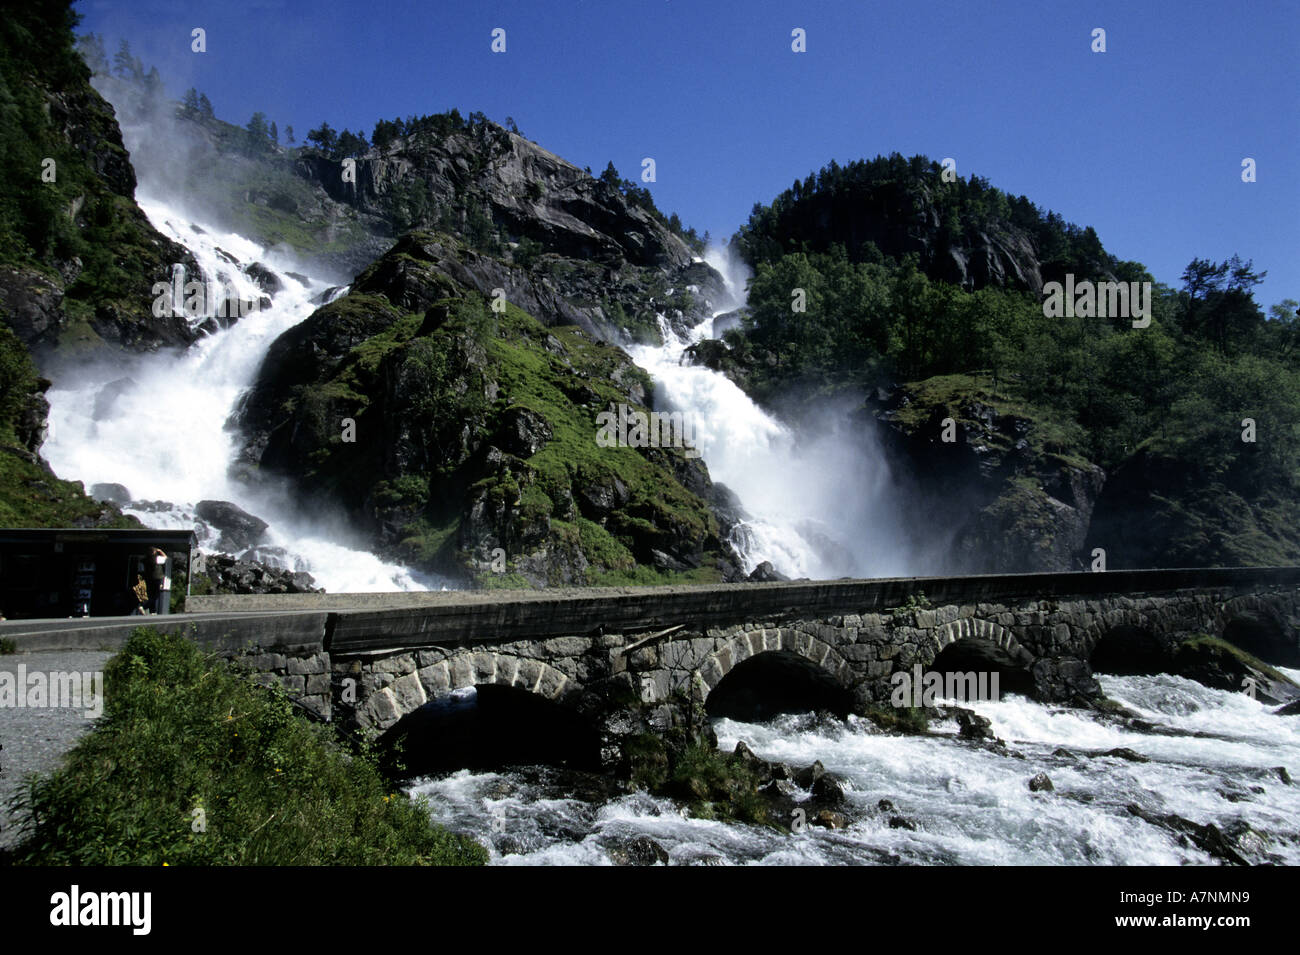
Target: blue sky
x=1143, y=142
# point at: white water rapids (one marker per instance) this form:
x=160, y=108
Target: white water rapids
x=963, y=803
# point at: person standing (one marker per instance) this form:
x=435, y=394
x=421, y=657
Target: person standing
x=162, y=584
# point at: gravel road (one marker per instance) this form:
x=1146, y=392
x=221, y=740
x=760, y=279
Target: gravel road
x=35, y=739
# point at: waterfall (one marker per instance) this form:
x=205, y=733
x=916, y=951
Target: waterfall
x=156, y=422
x=820, y=501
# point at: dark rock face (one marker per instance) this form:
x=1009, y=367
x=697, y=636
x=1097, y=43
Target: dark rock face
x=571, y=214
x=1010, y=504
x=575, y=250
x=239, y=529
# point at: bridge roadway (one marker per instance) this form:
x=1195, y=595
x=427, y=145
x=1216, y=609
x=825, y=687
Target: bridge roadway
x=377, y=623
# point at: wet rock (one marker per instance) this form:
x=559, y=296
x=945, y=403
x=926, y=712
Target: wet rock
x=885, y=805
x=828, y=790
x=781, y=771
x=972, y=725
x=1063, y=680
x=1064, y=753
x=639, y=850
x=1249, y=843
x=808, y=776
x=509, y=846
x=779, y=788
x=1281, y=773
x=266, y=280
x=116, y=493
x=1123, y=752
x=1040, y=782
x=1224, y=667
x=827, y=819
x=239, y=529
x=1291, y=709
x=899, y=822
x=231, y=576
x=327, y=295
x=1207, y=838
x=107, y=397
x=764, y=572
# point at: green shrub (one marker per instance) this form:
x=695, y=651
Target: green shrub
x=194, y=764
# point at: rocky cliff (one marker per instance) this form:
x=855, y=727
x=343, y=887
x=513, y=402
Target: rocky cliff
x=997, y=478
x=603, y=261
x=78, y=258
x=463, y=438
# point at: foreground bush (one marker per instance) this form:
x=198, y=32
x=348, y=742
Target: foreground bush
x=193, y=764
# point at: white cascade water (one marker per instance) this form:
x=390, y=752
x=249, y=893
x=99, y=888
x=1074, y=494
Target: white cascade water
x=160, y=428
x=819, y=503
x=953, y=801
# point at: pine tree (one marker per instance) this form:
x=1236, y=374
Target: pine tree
x=123, y=62
x=205, y=106
x=288, y=134
x=275, y=133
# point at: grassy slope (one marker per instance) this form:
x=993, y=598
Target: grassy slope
x=193, y=764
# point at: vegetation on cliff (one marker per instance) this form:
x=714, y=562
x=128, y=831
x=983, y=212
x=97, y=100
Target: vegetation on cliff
x=77, y=256
x=194, y=764
x=475, y=449
x=1194, y=417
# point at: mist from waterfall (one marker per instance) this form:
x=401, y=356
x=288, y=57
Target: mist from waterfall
x=156, y=423
x=821, y=500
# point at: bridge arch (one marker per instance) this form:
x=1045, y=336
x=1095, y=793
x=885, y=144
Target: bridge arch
x=1260, y=625
x=976, y=628
x=521, y=711
x=463, y=670
x=784, y=640
x=1129, y=646
x=486, y=668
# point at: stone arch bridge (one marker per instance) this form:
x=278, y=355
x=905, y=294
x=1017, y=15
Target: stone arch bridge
x=630, y=659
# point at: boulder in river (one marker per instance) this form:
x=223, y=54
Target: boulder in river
x=239, y=529
x=1040, y=782
x=266, y=280
x=639, y=850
